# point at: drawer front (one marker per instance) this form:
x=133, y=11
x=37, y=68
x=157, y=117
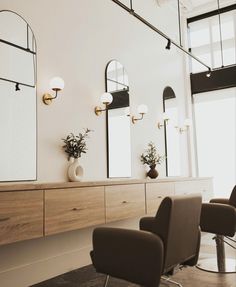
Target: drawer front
x=124, y=201
x=203, y=186
x=74, y=208
x=21, y=215
x=155, y=193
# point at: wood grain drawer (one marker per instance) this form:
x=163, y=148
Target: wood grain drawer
x=21, y=215
x=196, y=186
x=74, y=208
x=124, y=201
x=155, y=193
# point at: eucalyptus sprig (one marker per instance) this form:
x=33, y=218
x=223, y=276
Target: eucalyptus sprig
x=75, y=145
x=151, y=156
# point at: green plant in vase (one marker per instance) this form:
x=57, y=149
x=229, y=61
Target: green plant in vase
x=74, y=146
x=151, y=158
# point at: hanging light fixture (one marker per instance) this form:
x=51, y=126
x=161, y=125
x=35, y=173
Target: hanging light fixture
x=168, y=44
x=208, y=73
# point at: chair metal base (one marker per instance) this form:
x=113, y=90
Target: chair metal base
x=106, y=281
x=167, y=279
x=211, y=265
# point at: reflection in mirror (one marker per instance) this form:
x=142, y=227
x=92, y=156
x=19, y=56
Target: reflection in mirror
x=118, y=122
x=18, y=101
x=172, y=137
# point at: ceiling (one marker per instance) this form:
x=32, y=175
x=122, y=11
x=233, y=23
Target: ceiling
x=196, y=7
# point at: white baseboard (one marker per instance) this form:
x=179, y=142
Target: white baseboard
x=38, y=271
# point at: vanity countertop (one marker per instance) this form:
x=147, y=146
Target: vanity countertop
x=36, y=185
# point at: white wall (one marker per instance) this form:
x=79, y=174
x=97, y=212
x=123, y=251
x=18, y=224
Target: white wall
x=76, y=39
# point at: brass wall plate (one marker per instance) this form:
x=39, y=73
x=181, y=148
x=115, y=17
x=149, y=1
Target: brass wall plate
x=47, y=99
x=98, y=111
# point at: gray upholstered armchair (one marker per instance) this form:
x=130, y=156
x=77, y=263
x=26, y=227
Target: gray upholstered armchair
x=219, y=217
x=170, y=238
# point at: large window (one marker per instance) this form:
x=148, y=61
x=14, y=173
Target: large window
x=215, y=121
x=213, y=41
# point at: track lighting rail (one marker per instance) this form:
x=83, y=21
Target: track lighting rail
x=155, y=29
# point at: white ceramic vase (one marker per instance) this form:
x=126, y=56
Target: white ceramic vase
x=75, y=171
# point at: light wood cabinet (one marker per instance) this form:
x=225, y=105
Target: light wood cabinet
x=155, y=193
x=203, y=186
x=74, y=208
x=124, y=201
x=21, y=215
x=37, y=210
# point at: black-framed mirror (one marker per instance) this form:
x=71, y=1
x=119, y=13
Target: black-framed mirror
x=172, y=140
x=118, y=122
x=18, y=99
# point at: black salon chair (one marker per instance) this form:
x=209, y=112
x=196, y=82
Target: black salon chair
x=170, y=238
x=219, y=217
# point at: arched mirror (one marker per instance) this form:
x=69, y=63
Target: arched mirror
x=118, y=122
x=18, y=98
x=172, y=140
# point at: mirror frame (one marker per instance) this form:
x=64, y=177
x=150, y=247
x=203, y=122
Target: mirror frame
x=168, y=93
x=36, y=102
x=114, y=104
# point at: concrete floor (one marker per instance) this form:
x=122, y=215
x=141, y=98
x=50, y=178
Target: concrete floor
x=188, y=277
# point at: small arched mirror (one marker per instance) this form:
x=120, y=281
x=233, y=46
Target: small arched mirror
x=118, y=122
x=172, y=140
x=18, y=99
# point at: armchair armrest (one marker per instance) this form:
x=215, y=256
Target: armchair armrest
x=136, y=256
x=147, y=223
x=218, y=218
x=220, y=200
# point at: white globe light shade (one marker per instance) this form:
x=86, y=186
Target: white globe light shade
x=187, y=122
x=142, y=109
x=106, y=98
x=57, y=83
x=165, y=116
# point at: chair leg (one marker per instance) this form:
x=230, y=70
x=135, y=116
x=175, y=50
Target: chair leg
x=220, y=251
x=106, y=281
x=167, y=279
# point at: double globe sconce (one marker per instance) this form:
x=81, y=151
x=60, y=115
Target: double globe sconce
x=166, y=119
x=56, y=84
x=106, y=99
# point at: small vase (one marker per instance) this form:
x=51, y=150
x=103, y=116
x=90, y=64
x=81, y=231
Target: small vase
x=75, y=171
x=152, y=173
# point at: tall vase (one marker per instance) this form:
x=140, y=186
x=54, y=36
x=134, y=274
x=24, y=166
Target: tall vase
x=75, y=171
x=153, y=173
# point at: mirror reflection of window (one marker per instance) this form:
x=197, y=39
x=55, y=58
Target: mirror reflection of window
x=18, y=102
x=118, y=121
x=172, y=136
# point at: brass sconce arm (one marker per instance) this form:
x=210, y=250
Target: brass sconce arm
x=185, y=128
x=98, y=110
x=142, y=110
x=57, y=84
x=134, y=120
x=106, y=99
x=160, y=125
x=164, y=121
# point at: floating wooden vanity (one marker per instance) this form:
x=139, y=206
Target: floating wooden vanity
x=31, y=210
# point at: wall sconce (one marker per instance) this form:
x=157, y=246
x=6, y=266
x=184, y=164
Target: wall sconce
x=106, y=99
x=56, y=84
x=187, y=124
x=142, y=110
x=165, y=119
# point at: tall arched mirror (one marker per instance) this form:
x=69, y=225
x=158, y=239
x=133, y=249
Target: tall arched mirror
x=18, y=98
x=172, y=140
x=118, y=122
